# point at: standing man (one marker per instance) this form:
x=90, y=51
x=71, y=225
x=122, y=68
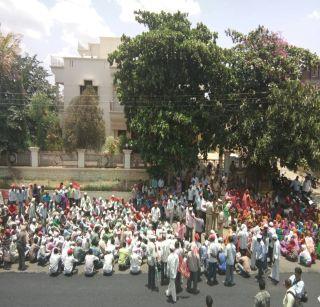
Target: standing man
x=155, y=216
x=215, y=216
x=193, y=261
x=275, y=272
x=170, y=208
x=213, y=251
x=230, y=260
x=173, y=263
x=189, y=224
x=152, y=262
x=262, y=298
x=22, y=240
x=260, y=256
x=209, y=217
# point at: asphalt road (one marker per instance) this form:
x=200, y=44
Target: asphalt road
x=39, y=289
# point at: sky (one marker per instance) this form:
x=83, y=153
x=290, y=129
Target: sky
x=54, y=27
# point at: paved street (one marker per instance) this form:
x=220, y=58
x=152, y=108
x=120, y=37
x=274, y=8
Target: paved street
x=38, y=289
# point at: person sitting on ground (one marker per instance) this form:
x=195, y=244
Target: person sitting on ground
x=243, y=265
x=89, y=263
x=262, y=298
x=108, y=262
x=298, y=284
x=33, y=252
x=79, y=252
x=135, y=262
x=123, y=261
x=70, y=264
x=43, y=255
x=290, y=296
x=304, y=257
x=55, y=262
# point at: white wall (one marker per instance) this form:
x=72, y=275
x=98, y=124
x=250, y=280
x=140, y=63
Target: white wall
x=77, y=69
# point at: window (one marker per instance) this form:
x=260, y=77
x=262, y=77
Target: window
x=122, y=132
x=88, y=83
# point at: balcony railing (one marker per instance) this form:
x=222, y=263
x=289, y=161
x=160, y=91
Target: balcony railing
x=57, y=61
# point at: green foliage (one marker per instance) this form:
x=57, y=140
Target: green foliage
x=84, y=126
x=271, y=118
x=111, y=146
x=21, y=78
x=164, y=76
x=12, y=113
x=44, y=127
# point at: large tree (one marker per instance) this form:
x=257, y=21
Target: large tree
x=44, y=123
x=84, y=126
x=270, y=108
x=168, y=79
x=21, y=78
x=13, y=129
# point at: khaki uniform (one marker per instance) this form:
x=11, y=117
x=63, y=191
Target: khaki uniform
x=209, y=217
x=215, y=216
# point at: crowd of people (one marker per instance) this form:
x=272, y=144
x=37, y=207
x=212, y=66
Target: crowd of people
x=204, y=227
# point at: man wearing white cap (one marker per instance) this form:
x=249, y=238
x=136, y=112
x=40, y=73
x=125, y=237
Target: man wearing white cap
x=173, y=263
x=108, y=262
x=275, y=272
x=135, y=261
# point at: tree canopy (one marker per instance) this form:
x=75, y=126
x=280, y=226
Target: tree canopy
x=21, y=78
x=165, y=78
x=272, y=104
x=84, y=126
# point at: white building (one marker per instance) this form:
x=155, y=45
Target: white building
x=92, y=68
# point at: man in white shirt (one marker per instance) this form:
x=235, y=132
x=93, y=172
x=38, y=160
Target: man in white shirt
x=297, y=284
x=170, y=208
x=275, y=272
x=152, y=262
x=260, y=254
x=155, y=216
x=12, y=198
x=289, y=299
x=230, y=254
x=86, y=204
x=243, y=239
x=173, y=263
x=108, y=262
x=69, y=264
x=295, y=185
x=135, y=262
x=89, y=260
x=160, y=183
x=164, y=254
x=55, y=262
x=213, y=251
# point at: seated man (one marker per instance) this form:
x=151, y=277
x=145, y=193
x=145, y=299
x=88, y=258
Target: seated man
x=243, y=265
x=89, y=264
x=43, y=255
x=70, y=264
x=304, y=257
x=222, y=264
x=33, y=252
x=79, y=252
x=123, y=261
x=135, y=262
x=108, y=262
x=55, y=262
